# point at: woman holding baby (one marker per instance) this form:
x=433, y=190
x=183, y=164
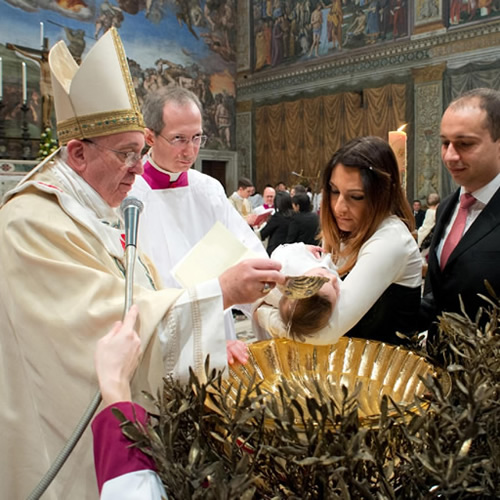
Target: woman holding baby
x=366, y=225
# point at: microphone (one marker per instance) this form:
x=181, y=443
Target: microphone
x=130, y=209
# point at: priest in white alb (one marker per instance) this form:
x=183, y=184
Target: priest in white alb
x=181, y=204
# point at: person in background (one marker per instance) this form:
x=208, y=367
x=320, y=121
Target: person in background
x=465, y=249
x=297, y=189
x=181, y=204
x=278, y=224
x=366, y=225
x=63, y=279
x=239, y=200
x=429, y=219
x=280, y=186
x=304, y=226
x=268, y=197
x=256, y=199
x=418, y=213
x=426, y=231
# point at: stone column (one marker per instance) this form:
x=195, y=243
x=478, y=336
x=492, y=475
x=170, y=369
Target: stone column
x=428, y=85
x=244, y=138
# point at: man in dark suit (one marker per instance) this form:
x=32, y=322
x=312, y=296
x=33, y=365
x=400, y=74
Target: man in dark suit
x=470, y=137
x=418, y=213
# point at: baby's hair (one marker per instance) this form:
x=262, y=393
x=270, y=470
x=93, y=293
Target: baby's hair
x=303, y=318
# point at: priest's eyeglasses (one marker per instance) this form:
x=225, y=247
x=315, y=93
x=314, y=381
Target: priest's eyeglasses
x=181, y=141
x=129, y=158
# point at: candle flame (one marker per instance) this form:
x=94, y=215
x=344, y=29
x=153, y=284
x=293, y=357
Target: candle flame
x=401, y=129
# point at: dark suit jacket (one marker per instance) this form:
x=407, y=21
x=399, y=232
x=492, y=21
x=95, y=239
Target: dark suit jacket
x=476, y=258
x=277, y=230
x=419, y=218
x=304, y=227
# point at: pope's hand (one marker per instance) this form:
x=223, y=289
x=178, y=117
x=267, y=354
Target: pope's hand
x=249, y=280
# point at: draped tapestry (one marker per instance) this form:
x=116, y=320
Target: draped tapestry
x=301, y=135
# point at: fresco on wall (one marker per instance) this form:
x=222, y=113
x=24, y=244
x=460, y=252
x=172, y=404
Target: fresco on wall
x=168, y=42
x=428, y=11
x=466, y=11
x=287, y=31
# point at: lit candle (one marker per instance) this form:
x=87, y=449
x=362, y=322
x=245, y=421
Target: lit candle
x=41, y=36
x=25, y=84
x=397, y=141
x=1, y=80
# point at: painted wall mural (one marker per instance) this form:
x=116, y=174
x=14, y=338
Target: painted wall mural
x=190, y=43
x=298, y=30
x=467, y=11
x=290, y=31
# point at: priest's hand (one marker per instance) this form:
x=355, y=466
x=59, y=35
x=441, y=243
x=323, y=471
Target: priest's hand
x=236, y=351
x=116, y=358
x=249, y=280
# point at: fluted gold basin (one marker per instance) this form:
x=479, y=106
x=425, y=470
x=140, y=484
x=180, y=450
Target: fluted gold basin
x=372, y=368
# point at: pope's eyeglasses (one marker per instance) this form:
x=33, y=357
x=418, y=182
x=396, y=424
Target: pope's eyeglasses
x=129, y=158
x=180, y=141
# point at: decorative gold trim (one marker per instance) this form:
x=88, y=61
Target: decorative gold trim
x=426, y=28
x=127, y=78
x=99, y=124
x=243, y=106
x=429, y=73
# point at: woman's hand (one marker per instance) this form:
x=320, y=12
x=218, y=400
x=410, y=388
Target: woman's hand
x=116, y=358
x=315, y=250
x=236, y=351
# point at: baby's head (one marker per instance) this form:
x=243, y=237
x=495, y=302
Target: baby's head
x=304, y=317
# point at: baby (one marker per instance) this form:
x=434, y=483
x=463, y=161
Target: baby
x=298, y=319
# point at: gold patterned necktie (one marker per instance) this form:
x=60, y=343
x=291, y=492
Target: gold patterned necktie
x=466, y=201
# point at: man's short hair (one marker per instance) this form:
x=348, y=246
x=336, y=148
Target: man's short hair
x=489, y=100
x=299, y=188
x=244, y=182
x=303, y=201
x=152, y=109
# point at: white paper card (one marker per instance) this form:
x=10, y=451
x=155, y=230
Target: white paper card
x=218, y=250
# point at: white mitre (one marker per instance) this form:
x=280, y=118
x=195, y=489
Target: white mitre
x=96, y=98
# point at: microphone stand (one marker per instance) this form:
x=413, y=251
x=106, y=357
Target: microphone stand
x=130, y=255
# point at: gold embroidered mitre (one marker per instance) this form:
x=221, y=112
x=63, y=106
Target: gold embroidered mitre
x=96, y=98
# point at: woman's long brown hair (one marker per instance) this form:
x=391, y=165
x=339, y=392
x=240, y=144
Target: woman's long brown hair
x=384, y=196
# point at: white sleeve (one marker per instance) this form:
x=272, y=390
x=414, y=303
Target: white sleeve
x=427, y=225
x=193, y=329
x=138, y=485
x=381, y=261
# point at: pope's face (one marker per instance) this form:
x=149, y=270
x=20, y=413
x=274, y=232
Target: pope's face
x=106, y=171
x=181, y=120
x=468, y=151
